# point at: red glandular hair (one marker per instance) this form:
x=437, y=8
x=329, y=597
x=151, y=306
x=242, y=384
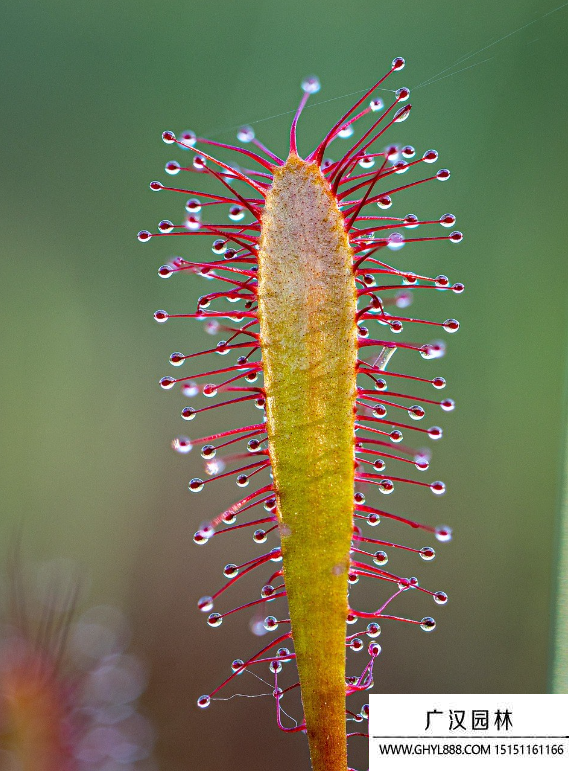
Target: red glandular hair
x=364, y=184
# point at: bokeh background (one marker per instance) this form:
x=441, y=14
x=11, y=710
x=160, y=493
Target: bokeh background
x=87, y=471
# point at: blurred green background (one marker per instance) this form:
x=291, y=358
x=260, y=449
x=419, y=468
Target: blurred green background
x=87, y=473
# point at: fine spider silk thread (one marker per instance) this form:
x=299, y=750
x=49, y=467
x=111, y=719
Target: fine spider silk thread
x=300, y=255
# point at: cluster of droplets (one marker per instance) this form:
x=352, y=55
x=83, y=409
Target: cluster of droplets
x=375, y=402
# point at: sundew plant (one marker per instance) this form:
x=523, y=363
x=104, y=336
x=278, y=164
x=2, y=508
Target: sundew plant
x=310, y=296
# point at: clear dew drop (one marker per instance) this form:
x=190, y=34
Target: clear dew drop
x=282, y=652
x=165, y=226
x=411, y=221
x=458, y=288
x=379, y=464
x=438, y=488
x=435, y=432
x=188, y=413
x=427, y=553
x=230, y=571
x=380, y=558
x=165, y=271
x=441, y=598
x=192, y=222
x=356, y=644
x=219, y=246
x=260, y=536
x=364, y=712
x=275, y=667
x=144, y=235
x=428, y=624
x=384, y=202
x=193, y=206
x=373, y=519
x=421, y=461
x=379, y=411
x=380, y=384
x=353, y=578
x=427, y=352
x=172, y=167
x=208, y=530
x=203, y=702
x=238, y=666
x=351, y=618
x=167, y=383
x=374, y=649
x=402, y=114
x=168, y=137
x=447, y=220
x=215, y=619
x=441, y=281
x=199, y=162
x=267, y=591
x=373, y=629
x=177, y=359
x=310, y=85
x=392, y=153
x=398, y=63
x=366, y=162
x=430, y=156
x=403, y=94
x=155, y=185
x=346, y=131
x=404, y=584
x=443, y=533
x=386, y=486
x=277, y=556
x=396, y=436
x=214, y=467
x=439, y=382
x=208, y=451
x=209, y=390
x=359, y=498
x=195, y=485
x=456, y=236
x=211, y=327
x=447, y=405
x=246, y=134
x=199, y=538
x=416, y=412
x=270, y=623
x=236, y=213
x=205, y=604
x=376, y=104
x=443, y=175
x=187, y=139
x=182, y=445
x=242, y=480
x=408, y=151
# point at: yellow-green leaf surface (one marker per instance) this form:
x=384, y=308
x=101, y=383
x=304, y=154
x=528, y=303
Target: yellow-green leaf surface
x=307, y=308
